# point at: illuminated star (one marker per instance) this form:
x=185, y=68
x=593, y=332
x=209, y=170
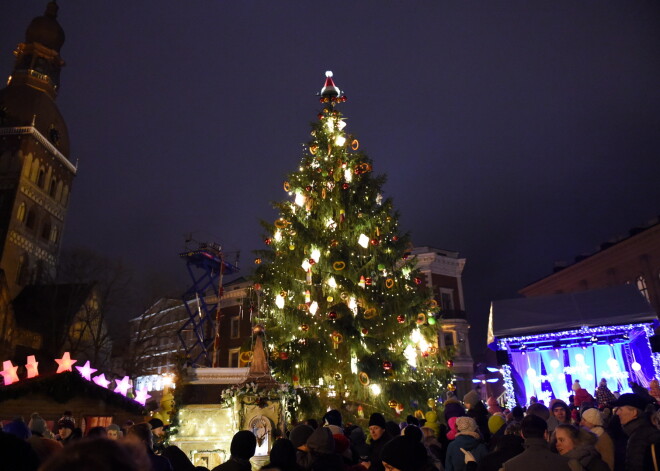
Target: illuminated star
x=141, y=396
x=86, y=371
x=32, y=367
x=101, y=381
x=123, y=386
x=65, y=363
x=9, y=372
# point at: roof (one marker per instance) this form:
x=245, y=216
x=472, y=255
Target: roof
x=608, y=306
x=50, y=309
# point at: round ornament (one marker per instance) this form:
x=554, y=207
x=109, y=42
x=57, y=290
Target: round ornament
x=431, y=403
x=395, y=238
x=287, y=186
x=345, y=186
x=421, y=318
x=257, y=286
x=418, y=281
x=387, y=365
x=284, y=356
x=450, y=363
x=332, y=315
x=339, y=266
x=257, y=329
x=338, y=376
x=363, y=378
x=308, y=188
x=257, y=261
x=381, y=266
x=365, y=331
x=355, y=145
x=375, y=242
x=370, y=313
x=401, y=318
x=392, y=403
x=304, y=327
x=268, y=241
x=368, y=281
x=292, y=247
x=432, y=320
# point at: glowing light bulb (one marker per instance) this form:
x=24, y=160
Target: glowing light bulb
x=332, y=283
x=340, y=140
x=375, y=389
x=363, y=241
x=279, y=301
x=348, y=175
x=313, y=307
x=300, y=199
x=305, y=264
x=277, y=236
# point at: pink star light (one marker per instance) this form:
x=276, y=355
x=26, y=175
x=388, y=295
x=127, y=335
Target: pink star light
x=141, y=396
x=65, y=363
x=86, y=371
x=101, y=381
x=32, y=367
x=9, y=372
x=123, y=386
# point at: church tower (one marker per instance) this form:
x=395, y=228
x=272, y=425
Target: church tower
x=36, y=172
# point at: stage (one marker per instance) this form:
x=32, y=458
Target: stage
x=544, y=344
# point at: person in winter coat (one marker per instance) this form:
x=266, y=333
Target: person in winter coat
x=578, y=445
x=480, y=415
x=467, y=438
x=537, y=455
x=559, y=414
x=508, y=446
x=604, y=396
x=379, y=437
x=282, y=457
x=242, y=448
x=140, y=435
x=641, y=434
x=582, y=396
x=592, y=420
x=299, y=436
x=404, y=453
x=322, y=450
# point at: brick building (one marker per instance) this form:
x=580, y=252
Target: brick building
x=633, y=259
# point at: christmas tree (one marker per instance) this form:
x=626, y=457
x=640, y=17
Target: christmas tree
x=347, y=318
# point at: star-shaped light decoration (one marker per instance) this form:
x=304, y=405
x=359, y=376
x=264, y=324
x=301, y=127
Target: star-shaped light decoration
x=65, y=363
x=9, y=372
x=86, y=371
x=32, y=367
x=141, y=396
x=123, y=386
x=101, y=381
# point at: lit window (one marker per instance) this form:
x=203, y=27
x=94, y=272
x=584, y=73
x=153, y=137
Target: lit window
x=31, y=220
x=20, y=214
x=233, y=357
x=641, y=286
x=41, y=178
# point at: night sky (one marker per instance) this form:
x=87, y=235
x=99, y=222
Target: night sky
x=516, y=133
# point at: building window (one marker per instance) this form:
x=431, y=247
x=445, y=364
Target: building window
x=45, y=231
x=449, y=339
x=54, y=235
x=41, y=178
x=446, y=299
x=31, y=220
x=53, y=188
x=641, y=286
x=20, y=214
x=234, y=354
x=21, y=270
x=235, y=328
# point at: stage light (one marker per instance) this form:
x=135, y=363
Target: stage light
x=554, y=363
x=636, y=366
x=626, y=336
x=594, y=339
x=493, y=380
x=492, y=369
x=579, y=358
x=475, y=381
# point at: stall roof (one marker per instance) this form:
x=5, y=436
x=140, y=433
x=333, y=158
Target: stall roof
x=608, y=306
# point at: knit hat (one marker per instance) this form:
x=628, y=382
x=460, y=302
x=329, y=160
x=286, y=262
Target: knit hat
x=377, y=419
x=452, y=428
x=18, y=428
x=539, y=410
x=155, y=423
x=66, y=422
x=493, y=406
x=300, y=434
x=114, y=427
x=467, y=426
x=38, y=425
x=243, y=444
x=321, y=441
x=413, y=432
x=471, y=399
x=404, y=454
x=496, y=422
x=576, y=385
x=333, y=417
x=593, y=416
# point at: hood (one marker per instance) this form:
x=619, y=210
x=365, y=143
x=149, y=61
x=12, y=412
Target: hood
x=321, y=441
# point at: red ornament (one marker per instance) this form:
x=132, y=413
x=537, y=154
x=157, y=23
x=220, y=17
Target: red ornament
x=268, y=241
x=312, y=261
x=387, y=365
x=284, y=356
x=365, y=331
x=395, y=238
x=319, y=116
x=375, y=242
x=368, y=281
x=308, y=188
x=345, y=186
x=425, y=354
x=450, y=363
x=401, y=318
x=418, y=281
x=332, y=315
x=257, y=286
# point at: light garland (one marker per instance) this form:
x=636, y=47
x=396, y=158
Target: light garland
x=509, y=391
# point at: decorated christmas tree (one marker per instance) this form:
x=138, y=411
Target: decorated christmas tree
x=346, y=316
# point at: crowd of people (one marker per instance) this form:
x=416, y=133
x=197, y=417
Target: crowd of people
x=600, y=432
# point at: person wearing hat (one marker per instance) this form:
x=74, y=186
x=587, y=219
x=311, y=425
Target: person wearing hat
x=537, y=455
x=158, y=432
x=641, y=434
x=559, y=414
x=379, y=437
x=592, y=420
x=140, y=435
x=404, y=454
x=114, y=432
x=321, y=446
x=467, y=438
x=298, y=436
x=65, y=428
x=243, y=447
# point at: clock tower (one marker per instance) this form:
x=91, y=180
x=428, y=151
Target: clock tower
x=36, y=170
